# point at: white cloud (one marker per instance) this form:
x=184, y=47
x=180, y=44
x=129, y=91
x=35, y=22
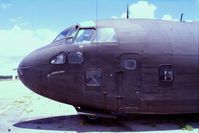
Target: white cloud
x=8, y=64
x=124, y=15
x=18, y=41
x=141, y=9
x=5, y=5
x=19, y=21
x=114, y=17
x=16, y=19
x=144, y=9
x=189, y=20
x=167, y=17
x=170, y=18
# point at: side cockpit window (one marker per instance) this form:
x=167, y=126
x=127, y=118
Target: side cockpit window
x=84, y=36
x=105, y=35
x=100, y=35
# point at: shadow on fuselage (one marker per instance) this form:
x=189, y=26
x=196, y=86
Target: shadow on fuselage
x=122, y=124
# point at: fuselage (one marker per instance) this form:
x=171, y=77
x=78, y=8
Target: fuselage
x=123, y=66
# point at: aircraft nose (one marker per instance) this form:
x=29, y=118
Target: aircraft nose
x=29, y=71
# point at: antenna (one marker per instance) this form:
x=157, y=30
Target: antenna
x=127, y=12
x=96, y=9
x=181, y=17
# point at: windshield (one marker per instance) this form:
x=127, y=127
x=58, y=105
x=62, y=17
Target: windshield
x=70, y=32
x=62, y=35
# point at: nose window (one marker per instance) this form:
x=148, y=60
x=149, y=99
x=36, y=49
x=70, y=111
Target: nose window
x=58, y=59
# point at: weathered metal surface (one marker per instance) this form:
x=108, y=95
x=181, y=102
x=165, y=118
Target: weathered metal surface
x=151, y=43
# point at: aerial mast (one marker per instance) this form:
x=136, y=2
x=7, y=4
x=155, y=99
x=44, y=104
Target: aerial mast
x=127, y=12
x=181, y=17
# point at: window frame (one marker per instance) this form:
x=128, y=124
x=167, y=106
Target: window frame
x=67, y=36
x=172, y=70
x=75, y=63
x=101, y=78
x=56, y=56
x=124, y=64
x=55, y=40
x=80, y=28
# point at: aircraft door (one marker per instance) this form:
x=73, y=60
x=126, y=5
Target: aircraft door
x=94, y=69
x=128, y=83
x=99, y=91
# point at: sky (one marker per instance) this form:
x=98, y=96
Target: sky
x=26, y=25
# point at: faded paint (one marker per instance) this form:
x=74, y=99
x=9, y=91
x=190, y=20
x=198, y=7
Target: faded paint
x=151, y=43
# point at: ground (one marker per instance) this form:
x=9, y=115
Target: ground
x=22, y=111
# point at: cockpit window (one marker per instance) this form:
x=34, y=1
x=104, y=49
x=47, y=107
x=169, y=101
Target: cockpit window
x=70, y=32
x=73, y=31
x=62, y=35
x=105, y=35
x=84, y=36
